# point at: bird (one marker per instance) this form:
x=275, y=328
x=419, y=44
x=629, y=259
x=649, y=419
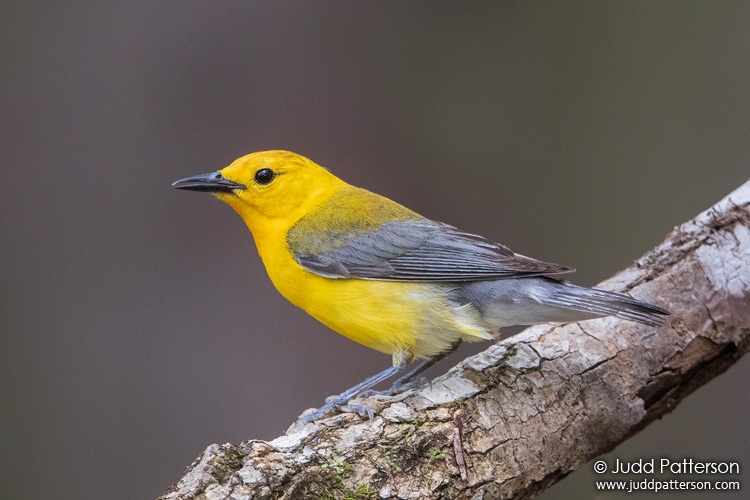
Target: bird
x=388, y=278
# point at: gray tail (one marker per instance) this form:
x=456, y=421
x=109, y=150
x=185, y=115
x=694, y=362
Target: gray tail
x=603, y=303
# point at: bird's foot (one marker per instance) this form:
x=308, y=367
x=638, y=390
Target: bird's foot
x=337, y=403
x=341, y=402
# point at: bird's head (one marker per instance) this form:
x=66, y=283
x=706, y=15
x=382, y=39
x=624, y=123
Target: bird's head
x=278, y=185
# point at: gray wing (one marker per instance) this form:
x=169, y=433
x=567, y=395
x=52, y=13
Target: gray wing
x=420, y=250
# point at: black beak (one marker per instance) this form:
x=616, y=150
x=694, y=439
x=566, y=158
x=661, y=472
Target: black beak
x=212, y=183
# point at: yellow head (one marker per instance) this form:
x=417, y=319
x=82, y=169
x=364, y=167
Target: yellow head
x=268, y=186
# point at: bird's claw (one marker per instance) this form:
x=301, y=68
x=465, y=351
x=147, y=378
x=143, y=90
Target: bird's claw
x=361, y=410
x=333, y=403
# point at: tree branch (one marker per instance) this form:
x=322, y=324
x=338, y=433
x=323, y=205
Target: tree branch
x=514, y=419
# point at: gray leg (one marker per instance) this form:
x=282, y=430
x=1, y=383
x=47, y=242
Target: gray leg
x=412, y=378
x=340, y=401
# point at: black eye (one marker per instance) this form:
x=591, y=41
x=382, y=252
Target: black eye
x=264, y=176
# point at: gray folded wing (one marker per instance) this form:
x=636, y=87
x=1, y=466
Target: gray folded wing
x=415, y=250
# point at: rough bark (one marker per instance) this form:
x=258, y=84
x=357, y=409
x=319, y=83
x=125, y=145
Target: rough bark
x=514, y=419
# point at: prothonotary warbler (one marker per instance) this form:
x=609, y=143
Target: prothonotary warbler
x=388, y=278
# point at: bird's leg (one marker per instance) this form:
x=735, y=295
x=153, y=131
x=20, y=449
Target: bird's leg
x=413, y=378
x=341, y=401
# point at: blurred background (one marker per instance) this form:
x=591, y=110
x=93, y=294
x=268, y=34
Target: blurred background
x=137, y=323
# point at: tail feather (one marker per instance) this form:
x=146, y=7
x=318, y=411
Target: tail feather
x=604, y=303
x=540, y=299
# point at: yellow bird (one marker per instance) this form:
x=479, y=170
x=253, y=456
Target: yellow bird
x=388, y=278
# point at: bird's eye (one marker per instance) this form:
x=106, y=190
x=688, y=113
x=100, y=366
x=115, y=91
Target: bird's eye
x=264, y=176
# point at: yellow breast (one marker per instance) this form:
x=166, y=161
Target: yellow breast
x=382, y=315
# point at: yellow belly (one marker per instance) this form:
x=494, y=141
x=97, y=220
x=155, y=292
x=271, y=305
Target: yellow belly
x=387, y=316
x=384, y=316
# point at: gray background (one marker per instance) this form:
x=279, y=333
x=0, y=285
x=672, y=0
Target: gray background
x=138, y=325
